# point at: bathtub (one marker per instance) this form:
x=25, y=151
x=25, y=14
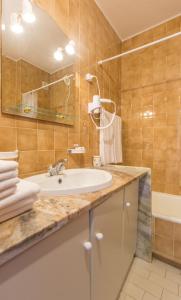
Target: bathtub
x=166, y=207
x=166, y=227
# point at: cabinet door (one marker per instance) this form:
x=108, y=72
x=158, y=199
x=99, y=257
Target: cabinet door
x=106, y=254
x=130, y=215
x=57, y=268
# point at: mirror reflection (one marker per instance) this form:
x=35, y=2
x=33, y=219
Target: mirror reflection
x=37, y=76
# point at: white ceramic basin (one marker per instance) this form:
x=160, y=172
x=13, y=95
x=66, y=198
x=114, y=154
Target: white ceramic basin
x=73, y=181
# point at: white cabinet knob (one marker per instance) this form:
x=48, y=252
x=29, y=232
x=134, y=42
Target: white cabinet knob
x=88, y=246
x=128, y=204
x=99, y=236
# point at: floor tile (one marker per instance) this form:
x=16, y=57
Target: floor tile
x=164, y=283
x=148, y=286
x=140, y=270
x=149, y=297
x=152, y=281
x=150, y=267
x=133, y=291
x=173, y=277
x=125, y=297
x=169, y=296
x=167, y=267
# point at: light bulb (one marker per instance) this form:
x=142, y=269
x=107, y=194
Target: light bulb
x=3, y=27
x=16, y=25
x=70, y=48
x=58, y=54
x=27, y=14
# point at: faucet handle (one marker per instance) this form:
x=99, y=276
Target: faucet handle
x=60, y=161
x=50, y=170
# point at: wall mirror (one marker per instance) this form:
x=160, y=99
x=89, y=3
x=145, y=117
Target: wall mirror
x=38, y=79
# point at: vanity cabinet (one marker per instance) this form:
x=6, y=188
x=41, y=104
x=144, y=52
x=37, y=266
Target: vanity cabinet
x=107, y=243
x=130, y=215
x=88, y=259
x=114, y=233
x=56, y=268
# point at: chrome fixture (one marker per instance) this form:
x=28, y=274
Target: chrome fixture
x=57, y=167
x=100, y=62
x=66, y=79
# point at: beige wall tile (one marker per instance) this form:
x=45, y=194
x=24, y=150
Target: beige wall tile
x=28, y=162
x=8, y=139
x=61, y=154
x=177, y=232
x=44, y=160
x=164, y=228
x=61, y=138
x=27, y=139
x=7, y=121
x=164, y=245
x=45, y=139
x=158, y=93
x=177, y=249
x=26, y=123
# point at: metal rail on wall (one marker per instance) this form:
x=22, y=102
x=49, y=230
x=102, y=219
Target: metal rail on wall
x=101, y=62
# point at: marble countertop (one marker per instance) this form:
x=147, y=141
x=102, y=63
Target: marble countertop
x=51, y=213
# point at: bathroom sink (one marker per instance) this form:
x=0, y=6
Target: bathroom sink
x=73, y=181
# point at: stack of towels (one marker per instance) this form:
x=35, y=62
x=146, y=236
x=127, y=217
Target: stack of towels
x=16, y=196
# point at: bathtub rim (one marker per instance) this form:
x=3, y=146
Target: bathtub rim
x=164, y=216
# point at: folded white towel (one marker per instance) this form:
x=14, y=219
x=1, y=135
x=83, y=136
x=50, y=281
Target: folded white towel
x=18, y=205
x=24, y=190
x=6, y=193
x=6, y=166
x=16, y=212
x=5, y=184
x=8, y=175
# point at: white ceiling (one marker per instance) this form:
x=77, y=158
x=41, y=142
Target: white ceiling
x=130, y=17
x=37, y=43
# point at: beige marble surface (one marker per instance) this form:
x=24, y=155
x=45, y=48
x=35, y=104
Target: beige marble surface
x=51, y=213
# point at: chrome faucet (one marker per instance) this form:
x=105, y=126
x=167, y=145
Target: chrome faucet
x=57, y=167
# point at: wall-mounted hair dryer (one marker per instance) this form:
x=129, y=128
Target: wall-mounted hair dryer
x=95, y=107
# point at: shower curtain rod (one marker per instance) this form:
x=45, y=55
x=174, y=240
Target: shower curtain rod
x=49, y=84
x=139, y=48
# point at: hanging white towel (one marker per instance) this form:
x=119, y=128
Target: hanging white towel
x=6, y=166
x=110, y=139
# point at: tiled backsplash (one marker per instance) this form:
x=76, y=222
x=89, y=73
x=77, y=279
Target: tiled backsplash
x=41, y=143
x=151, y=106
